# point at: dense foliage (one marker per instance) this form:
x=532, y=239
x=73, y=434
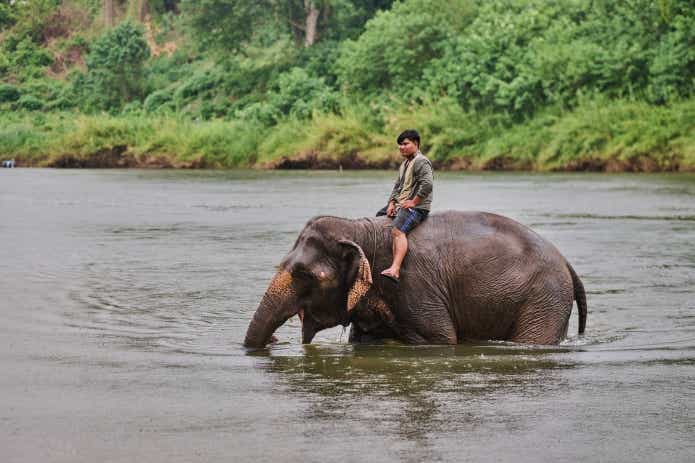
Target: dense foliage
x=115, y=68
x=340, y=77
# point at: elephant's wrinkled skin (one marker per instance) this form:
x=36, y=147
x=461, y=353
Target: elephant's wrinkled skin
x=467, y=276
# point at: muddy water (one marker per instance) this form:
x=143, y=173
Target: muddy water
x=125, y=296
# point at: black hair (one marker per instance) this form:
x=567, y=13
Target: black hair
x=410, y=134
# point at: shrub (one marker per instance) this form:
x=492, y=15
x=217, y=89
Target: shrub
x=132, y=108
x=30, y=17
x=320, y=59
x=263, y=113
x=298, y=94
x=194, y=87
x=164, y=70
x=25, y=53
x=294, y=94
x=51, y=93
x=4, y=64
x=29, y=103
x=157, y=99
x=9, y=93
x=7, y=17
x=61, y=103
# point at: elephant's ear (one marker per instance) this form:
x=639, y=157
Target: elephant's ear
x=363, y=276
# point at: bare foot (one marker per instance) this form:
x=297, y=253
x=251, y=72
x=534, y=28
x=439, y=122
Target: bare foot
x=391, y=274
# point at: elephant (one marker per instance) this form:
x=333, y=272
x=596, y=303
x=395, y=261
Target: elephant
x=468, y=276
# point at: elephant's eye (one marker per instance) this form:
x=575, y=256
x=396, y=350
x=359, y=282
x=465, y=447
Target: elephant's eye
x=304, y=282
x=303, y=274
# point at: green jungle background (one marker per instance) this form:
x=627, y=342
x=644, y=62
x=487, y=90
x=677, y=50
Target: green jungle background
x=604, y=85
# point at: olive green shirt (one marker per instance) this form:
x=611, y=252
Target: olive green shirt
x=415, y=178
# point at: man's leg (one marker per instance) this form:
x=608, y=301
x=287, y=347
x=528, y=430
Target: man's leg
x=405, y=221
x=400, y=249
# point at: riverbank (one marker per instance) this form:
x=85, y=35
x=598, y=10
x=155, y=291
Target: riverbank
x=599, y=135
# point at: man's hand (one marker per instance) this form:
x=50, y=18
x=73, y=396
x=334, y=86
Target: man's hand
x=410, y=203
x=391, y=211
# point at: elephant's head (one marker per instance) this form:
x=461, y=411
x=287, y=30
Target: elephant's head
x=321, y=279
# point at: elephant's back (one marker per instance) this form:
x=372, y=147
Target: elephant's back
x=467, y=228
x=492, y=265
x=483, y=239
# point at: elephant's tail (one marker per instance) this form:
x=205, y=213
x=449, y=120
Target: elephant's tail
x=580, y=297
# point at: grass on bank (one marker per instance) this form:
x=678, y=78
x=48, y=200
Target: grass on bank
x=597, y=135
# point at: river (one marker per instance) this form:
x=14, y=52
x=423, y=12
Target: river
x=125, y=296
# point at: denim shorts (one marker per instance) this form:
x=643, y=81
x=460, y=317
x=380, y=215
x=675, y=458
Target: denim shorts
x=407, y=219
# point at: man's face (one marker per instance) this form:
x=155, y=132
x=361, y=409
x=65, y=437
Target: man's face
x=407, y=148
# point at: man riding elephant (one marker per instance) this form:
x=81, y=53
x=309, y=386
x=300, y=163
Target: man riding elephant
x=410, y=200
x=470, y=276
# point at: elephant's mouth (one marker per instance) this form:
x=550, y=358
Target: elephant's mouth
x=309, y=326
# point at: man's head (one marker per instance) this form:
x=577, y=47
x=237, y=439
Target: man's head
x=408, y=143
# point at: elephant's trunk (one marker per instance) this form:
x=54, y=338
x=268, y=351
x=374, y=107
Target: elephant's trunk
x=278, y=304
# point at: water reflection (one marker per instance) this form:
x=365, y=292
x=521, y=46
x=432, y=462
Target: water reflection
x=411, y=391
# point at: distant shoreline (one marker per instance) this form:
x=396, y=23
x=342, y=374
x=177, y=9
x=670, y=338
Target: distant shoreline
x=118, y=158
x=623, y=136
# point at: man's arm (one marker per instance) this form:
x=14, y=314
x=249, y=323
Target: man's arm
x=396, y=188
x=424, y=179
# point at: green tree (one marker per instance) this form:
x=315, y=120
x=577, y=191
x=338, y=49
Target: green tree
x=398, y=44
x=519, y=56
x=672, y=71
x=7, y=15
x=116, y=73
x=228, y=25
x=224, y=24
x=30, y=16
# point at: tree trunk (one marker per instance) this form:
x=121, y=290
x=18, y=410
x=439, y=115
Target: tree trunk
x=311, y=23
x=142, y=10
x=108, y=13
